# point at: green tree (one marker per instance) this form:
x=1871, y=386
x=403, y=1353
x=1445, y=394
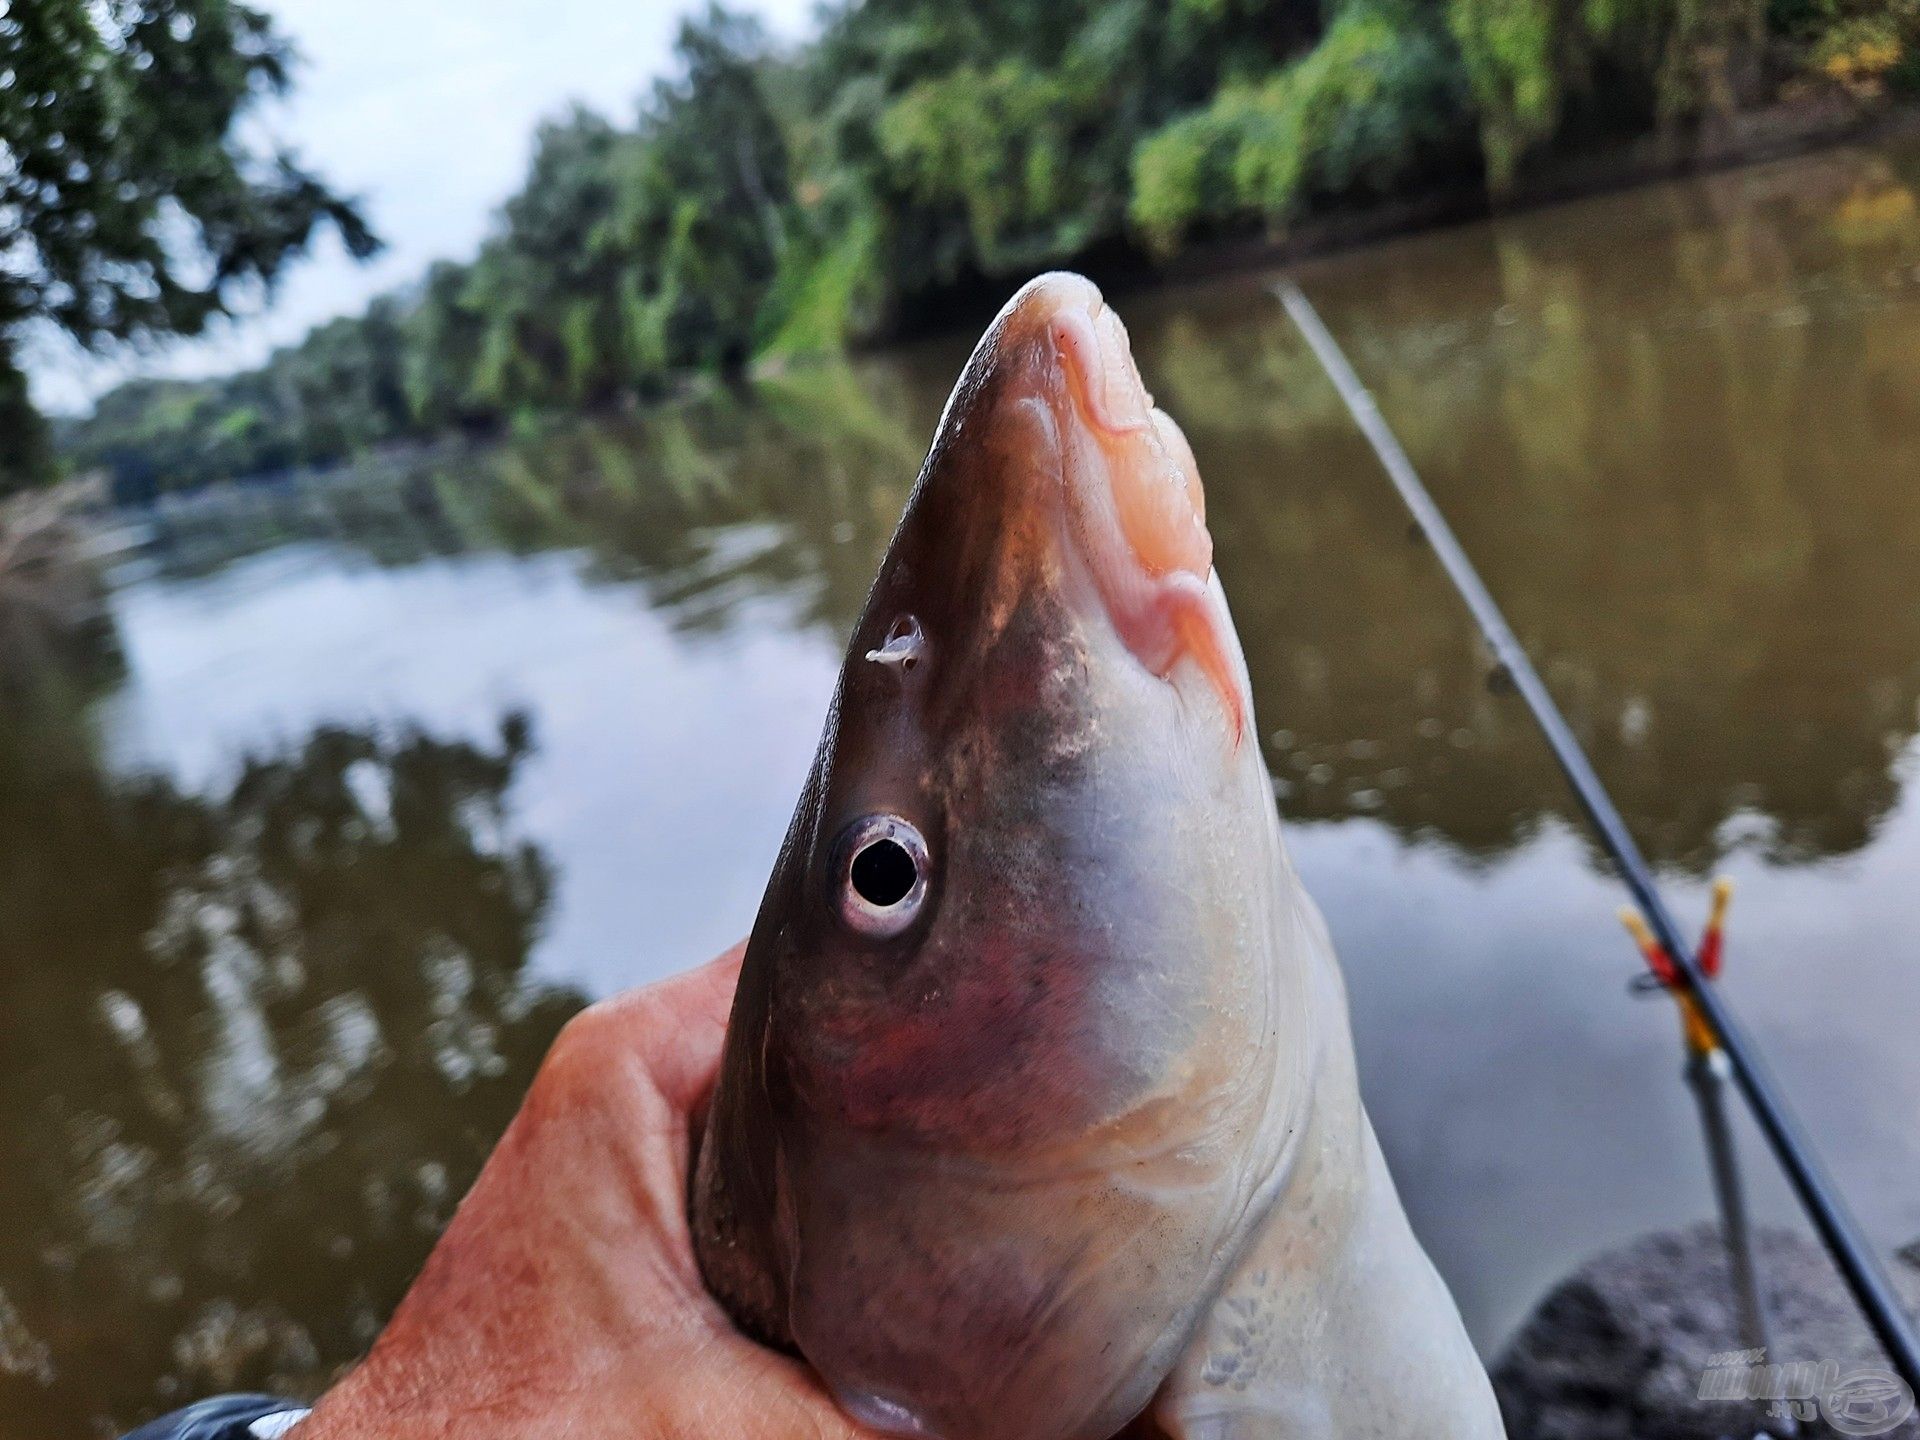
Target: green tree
x=1378, y=100
x=626, y=255
x=545, y=280
x=133, y=203
x=349, y=393
x=962, y=143
x=703, y=199
x=441, y=350
x=1532, y=60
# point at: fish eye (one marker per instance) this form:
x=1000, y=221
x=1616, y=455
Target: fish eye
x=880, y=875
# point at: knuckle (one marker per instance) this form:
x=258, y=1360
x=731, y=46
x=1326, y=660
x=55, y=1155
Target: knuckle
x=586, y=1045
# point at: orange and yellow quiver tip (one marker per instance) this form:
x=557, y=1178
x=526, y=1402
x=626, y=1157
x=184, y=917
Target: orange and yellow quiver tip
x=1700, y=1035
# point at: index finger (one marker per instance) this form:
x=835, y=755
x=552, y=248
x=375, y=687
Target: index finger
x=677, y=1026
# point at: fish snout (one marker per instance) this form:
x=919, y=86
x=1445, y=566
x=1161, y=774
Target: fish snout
x=1134, y=499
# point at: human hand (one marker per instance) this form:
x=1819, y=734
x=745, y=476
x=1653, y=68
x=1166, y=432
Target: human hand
x=564, y=1298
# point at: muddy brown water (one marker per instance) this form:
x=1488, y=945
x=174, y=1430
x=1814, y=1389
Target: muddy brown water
x=376, y=780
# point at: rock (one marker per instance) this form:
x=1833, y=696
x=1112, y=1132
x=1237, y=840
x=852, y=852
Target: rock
x=1620, y=1349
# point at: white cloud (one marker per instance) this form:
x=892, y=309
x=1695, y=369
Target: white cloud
x=425, y=110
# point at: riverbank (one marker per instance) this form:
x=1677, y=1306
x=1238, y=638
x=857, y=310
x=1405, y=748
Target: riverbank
x=1817, y=121
x=1820, y=117
x=1780, y=131
x=52, y=595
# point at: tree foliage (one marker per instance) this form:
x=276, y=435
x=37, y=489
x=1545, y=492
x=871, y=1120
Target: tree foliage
x=764, y=203
x=133, y=204
x=1361, y=114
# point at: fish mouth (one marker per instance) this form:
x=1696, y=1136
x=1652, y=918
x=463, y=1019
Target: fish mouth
x=1135, y=505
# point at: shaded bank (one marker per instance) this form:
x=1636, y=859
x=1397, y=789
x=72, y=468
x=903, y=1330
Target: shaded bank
x=1752, y=137
x=56, y=634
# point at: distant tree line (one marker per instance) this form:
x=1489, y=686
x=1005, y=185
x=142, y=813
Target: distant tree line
x=766, y=204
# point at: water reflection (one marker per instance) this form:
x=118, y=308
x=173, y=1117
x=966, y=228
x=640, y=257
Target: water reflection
x=1677, y=435
x=253, y=1048
x=1674, y=429
x=786, y=490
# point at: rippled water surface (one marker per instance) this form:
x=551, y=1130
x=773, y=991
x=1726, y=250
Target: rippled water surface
x=377, y=780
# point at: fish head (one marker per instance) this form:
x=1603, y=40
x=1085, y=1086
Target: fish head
x=1037, y=765
x=1010, y=999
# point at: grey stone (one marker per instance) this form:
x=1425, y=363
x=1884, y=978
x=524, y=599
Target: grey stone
x=1619, y=1350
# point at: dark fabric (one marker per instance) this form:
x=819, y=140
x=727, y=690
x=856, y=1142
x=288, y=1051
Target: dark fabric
x=224, y=1419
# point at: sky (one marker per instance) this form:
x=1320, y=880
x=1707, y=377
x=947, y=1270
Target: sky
x=425, y=109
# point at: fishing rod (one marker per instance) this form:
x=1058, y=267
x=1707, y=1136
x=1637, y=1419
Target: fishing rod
x=1866, y=1277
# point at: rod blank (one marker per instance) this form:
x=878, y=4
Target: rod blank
x=1866, y=1277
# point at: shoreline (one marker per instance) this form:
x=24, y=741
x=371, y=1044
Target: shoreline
x=1779, y=131
x=1782, y=130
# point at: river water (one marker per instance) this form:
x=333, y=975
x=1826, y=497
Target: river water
x=377, y=779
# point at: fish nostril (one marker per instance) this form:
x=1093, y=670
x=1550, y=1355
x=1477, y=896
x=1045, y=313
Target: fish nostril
x=884, y=873
x=905, y=644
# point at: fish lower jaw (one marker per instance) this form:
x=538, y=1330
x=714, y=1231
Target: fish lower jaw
x=1177, y=623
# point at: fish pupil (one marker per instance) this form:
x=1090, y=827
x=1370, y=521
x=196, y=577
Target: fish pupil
x=883, y=873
